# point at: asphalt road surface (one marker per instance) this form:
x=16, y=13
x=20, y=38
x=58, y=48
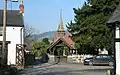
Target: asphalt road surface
x=65, y=69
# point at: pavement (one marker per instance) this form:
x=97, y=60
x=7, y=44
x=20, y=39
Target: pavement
x=65, y=69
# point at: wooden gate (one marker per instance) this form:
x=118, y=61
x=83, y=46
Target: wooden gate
x=20, y=55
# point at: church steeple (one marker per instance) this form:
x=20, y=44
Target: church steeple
x=60, y=27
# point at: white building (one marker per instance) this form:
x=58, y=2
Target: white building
x=115, y=21
x=14, y=33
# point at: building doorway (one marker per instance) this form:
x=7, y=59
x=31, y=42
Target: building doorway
x=60, y=55
x=6, y=52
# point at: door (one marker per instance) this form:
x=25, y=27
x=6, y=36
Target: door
x=5, y=53
x=97, y=59
x=106, y=59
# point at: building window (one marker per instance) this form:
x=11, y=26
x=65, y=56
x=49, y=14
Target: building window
x=1, y=31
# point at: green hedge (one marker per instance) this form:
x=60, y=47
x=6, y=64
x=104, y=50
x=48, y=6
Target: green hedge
x=29, y=59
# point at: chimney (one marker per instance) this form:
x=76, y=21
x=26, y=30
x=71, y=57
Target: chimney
x=21, y=7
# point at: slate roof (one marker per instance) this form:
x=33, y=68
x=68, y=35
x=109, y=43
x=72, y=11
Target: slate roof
x=63, y=40
x=115, y=16
x=67, y=38
x=14, y=18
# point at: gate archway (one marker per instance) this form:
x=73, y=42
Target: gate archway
x=60, y=55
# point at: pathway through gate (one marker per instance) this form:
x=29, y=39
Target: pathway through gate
x=59, y=55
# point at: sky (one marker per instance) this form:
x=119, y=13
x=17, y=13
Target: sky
x=44, y=15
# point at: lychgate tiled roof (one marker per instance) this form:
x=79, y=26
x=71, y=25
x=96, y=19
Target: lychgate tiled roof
x=66, y=37
x=63, y=40
x=63, y=36
x=14, y=18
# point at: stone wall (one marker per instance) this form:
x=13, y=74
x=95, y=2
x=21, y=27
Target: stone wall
x=71, y=58
x=51, y=58
x=77, y=58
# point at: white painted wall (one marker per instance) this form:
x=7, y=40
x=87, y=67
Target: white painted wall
x=13, y=34
x=117, y=47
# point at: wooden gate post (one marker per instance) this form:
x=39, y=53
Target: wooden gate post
x=20, y=55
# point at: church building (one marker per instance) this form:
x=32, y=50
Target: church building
x=62, y=45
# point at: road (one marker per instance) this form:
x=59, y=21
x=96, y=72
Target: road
x=65, y=69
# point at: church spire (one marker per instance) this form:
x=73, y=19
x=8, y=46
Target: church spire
x=60, y=27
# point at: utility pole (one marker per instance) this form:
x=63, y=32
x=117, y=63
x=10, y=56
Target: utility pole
x=4, y=51
x=4, y=31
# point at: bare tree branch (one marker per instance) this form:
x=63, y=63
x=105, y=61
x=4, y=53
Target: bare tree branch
x=28, y=31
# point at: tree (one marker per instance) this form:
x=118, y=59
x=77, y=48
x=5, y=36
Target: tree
x=46, y=40
x=90, y=29
x=28, y=31
x=40, y=47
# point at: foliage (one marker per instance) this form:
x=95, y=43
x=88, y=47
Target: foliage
x=40, y=47
x=29, y=59
x=28, y=31
x=89, y=28
x=66, y=51
x=46, y=40
x=8, y=70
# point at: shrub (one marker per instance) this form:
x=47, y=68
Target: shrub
x=8, y=70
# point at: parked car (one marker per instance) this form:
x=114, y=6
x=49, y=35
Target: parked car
x=102, y=59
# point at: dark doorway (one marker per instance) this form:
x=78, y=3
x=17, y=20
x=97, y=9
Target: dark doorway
x=58, y=52
x=6, y=53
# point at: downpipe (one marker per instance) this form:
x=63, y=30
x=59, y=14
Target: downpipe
x=21, y=36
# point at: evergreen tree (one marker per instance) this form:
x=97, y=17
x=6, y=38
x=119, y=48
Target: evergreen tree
x=90, y=29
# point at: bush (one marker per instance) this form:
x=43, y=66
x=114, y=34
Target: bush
x=8, y=70
x=44, y=58
x=29, y=59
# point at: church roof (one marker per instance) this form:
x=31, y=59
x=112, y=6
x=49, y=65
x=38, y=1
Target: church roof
x=63, y=36
x=66, y=37
x=63, y=40
x=115, y=16
x=14, y=18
